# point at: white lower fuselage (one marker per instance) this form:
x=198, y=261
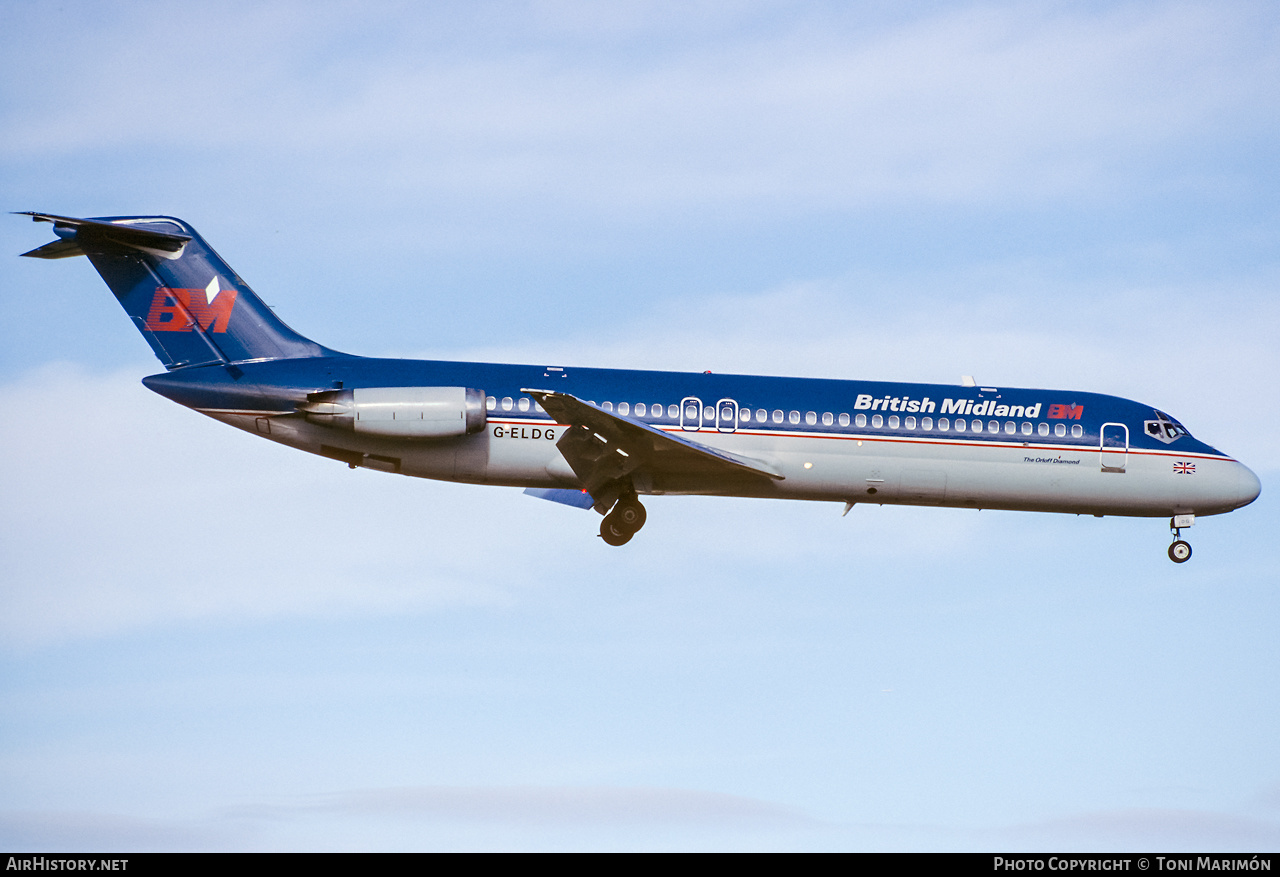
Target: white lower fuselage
x=858, y=467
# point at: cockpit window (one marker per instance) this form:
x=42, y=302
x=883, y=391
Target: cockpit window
x=1164, y=428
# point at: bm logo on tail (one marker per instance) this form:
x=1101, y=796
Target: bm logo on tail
x=177, y=310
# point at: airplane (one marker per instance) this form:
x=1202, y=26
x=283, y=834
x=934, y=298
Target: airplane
x=602, y=438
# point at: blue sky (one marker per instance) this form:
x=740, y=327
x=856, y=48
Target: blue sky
x=211, y=642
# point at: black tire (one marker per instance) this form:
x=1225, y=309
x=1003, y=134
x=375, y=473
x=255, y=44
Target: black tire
x=1179, y=552
x=630, y=514
x=612, y=533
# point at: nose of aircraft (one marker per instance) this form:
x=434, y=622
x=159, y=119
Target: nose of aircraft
x=1248, y=487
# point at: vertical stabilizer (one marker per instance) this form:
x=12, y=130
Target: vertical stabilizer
x=188, y=303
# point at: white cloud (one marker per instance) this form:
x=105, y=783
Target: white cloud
x=428, y=817
x=540, y=805
x=1150, y=828
x=985, y=104
x=122, y=510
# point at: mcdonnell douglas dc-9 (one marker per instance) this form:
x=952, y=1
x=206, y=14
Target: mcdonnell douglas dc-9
x=601, y=438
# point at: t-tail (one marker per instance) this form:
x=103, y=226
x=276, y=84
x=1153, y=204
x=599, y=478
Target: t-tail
x=188, y=303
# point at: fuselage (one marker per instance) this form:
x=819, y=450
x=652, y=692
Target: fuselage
x=835, y=440
x=600, y=438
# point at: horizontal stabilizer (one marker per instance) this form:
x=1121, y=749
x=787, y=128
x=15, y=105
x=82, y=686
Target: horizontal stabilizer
x=77, y=234
x=56, y=250
x=579, y=499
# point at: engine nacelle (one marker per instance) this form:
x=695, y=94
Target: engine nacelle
x=399, y=412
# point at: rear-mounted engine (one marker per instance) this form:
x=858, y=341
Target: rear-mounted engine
x=399, y=412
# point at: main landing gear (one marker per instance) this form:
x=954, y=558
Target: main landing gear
x=626, y=519
x=1180, y=551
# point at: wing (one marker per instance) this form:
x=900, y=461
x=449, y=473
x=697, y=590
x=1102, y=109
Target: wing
x=603, y=448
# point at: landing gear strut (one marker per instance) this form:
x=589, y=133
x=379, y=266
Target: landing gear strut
x=1180, y=551
x=626, y=519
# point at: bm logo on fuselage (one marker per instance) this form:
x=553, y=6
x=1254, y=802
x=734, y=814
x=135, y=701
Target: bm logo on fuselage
x=177, y=310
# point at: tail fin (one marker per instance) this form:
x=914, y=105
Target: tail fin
x=188, y=303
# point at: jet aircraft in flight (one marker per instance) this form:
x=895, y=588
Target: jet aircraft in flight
x=602, y=438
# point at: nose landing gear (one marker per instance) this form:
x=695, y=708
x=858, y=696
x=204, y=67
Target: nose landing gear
x=626, y=519
x=1180, y=551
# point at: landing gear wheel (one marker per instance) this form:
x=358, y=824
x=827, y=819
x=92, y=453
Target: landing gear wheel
x=630, y=514
x=1179, y=552
x=613, y=533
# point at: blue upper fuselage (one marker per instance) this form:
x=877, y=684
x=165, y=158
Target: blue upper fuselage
x=777, y=404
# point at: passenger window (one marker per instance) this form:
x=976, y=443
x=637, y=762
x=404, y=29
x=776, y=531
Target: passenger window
x=1026, y=429
x=506, y=403
x=811, y=418
x=877, y=421
x=777, y=415
x=691, y=413
x=862, y=420
x=910, y=423
x=640, y=409
x=844, y=419
x=794, y=417
x=624, y=408
x=893, y=421
x=708, y=413
x=523, y=403
x=944, y=424
x=960, y=425
x=977, y=425
x=926, y=423
x=1077, y=430
x=490, y=402
x=827, y=419
x=607, y=406
x=1060, y=429
x=993, y=426
x=1010, y=427
x=762, y=416
x=1043, y=429
x=673, y=411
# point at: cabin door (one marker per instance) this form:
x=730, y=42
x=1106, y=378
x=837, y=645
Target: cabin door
x=727, y=415
x=1114, y=448
x=691, y=413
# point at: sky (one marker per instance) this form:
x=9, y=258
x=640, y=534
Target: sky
x=213, y=643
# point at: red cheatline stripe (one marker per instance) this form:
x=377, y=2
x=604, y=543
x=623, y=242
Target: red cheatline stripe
x=964, y=443
x=711, y=430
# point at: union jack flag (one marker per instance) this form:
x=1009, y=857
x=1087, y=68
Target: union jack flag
x=1184, y=468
